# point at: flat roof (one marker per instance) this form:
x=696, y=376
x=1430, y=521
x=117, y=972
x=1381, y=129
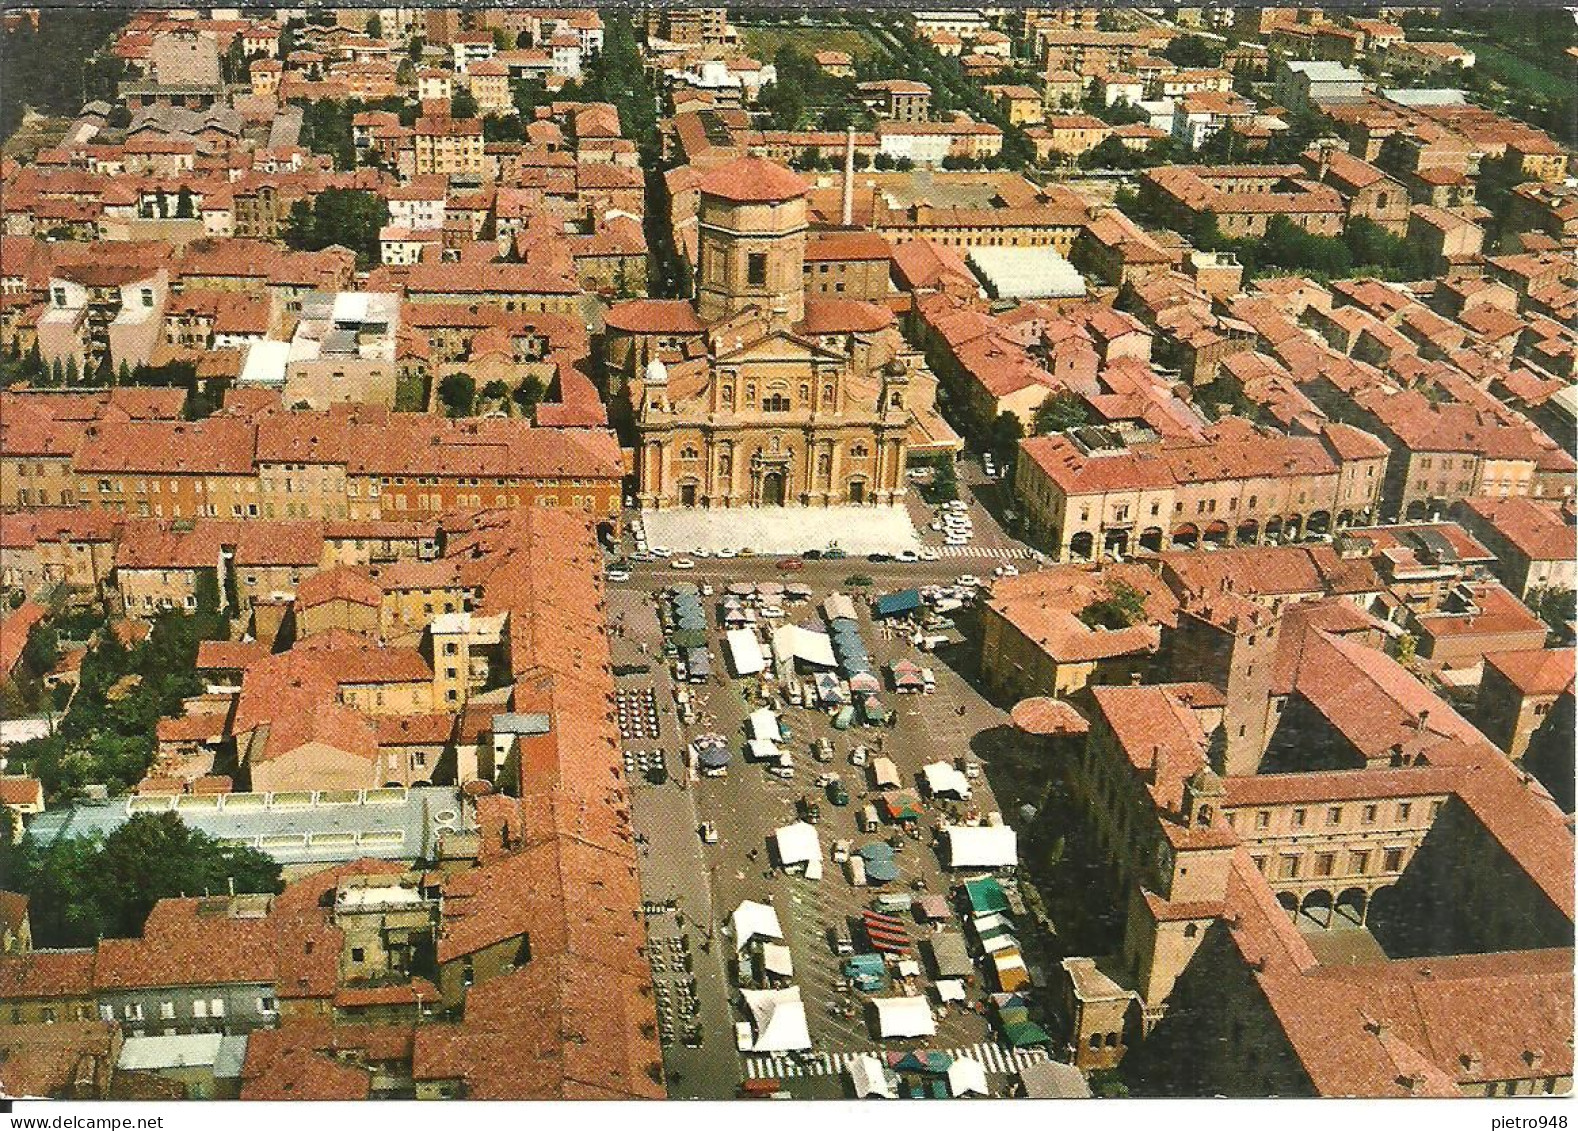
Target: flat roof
x=325, y=827
x=1026, y=272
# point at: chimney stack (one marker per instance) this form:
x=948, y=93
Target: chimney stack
x=849, y=178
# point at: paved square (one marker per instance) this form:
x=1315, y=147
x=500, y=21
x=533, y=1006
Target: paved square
x=783, y=530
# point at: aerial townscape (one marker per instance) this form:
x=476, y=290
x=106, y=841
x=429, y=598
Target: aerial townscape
x=826, y=553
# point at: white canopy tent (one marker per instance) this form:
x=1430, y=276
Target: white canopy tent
x=745, y=652
x=798, y=844
x=885, y=773
x=870, y=1078
x=777, y=960
x=763, y=750
x=981, y=846
x=967, y=1077
x=764, y=724
x=949, y=989
x=902, y=1017
x=838, y=606
x=752, y=920
x=941, y=778
x=778, y=1017
x=791, y=642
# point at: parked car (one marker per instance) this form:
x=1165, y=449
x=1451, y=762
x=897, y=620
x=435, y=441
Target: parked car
x=822, y=750
x=727, y=554
x=837, y=793
x=929, y=555
x=618, y=575
x=812, y=555
x=790, y=565
x=709, y=833
x=834, y=554
x=879, y=557
x=810, y=811
x=857, y=756
x=906, y=556
x=840, y=851
x=682, y=564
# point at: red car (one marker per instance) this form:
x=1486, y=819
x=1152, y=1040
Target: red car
x=791, y=564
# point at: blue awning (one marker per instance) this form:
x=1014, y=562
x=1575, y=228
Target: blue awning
x=897, y=604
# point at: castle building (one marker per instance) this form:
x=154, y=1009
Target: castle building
x=756, y=394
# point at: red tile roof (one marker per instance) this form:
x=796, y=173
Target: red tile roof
x=753, y=180
x=1546, y=671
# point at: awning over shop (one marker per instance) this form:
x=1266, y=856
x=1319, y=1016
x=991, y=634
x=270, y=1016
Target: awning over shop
x=870, y=1078
x=777, y=960
x=764, y=724
x=967, y=1077
x=745, y=652
x=778, y=1019
x=797, y=844
x=865, y=683
x=933, y=907
x=793, y=642
x=764, y=750
x=713, y=757
x=901, y=807
x=907, y=676
x=838, y=606
x=985, y=895
x=829, y=691
x=699, y=661
x=752, y=920
x=1009, y=967
x=949, y=955
x=897, y=604
x=943, y=780
x=949, y=989
x=885, y=773
x=981, y=846
x=903, y=1017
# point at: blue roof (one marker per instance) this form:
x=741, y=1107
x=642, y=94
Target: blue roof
x=893, y=604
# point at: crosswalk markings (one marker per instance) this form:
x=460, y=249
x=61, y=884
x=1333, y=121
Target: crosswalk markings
x=996, y=1059
x=1002, y=553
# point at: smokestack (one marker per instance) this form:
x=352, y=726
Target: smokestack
x=849, y=178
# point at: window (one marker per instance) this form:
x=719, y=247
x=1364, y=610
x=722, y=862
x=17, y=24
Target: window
x=1358, y=863
x=1298, y=818
x=199, y=1008
x=1334, y=815
x=756, y=269
x=1290, y=867
x=1393, y=861
x=216, y=1007
x=1325, y=863
x=775, y=402
x=1367, y=816
x=167, y=1010
x=1403, y=810
x=1435, y=809
x=358, y=954
x=1263, y=819
x=265, y=1005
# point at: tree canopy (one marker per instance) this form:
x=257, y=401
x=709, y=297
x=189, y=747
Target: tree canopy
x=82, y=889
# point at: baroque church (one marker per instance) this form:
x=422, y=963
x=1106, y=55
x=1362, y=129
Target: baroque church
x=754, y=394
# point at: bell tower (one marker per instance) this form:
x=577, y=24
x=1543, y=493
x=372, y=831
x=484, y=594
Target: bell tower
x=751, y=241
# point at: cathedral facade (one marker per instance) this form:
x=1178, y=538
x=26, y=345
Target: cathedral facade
x=755, y=395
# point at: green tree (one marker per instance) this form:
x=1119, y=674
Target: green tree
x=529, y=393
x=183, y=204
x=462, y=104
x=375, y=27
x=82, y=889
x=1124, y=605
x=1060, y=412
x=458, y=394
x=1007, y=431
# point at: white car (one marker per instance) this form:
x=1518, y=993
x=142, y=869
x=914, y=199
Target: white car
x=937, y=524
x=701, y=553
x=1006, y=570
x=661, y=552
x=956, y=505
x=906, y=556
x=682, y=563
x=619, y=575
x=929, y=555
x=969, y=580
x=956, y=540
x=727, y=554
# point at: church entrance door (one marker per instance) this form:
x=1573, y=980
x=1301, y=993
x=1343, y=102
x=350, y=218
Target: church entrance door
x=773, y=489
